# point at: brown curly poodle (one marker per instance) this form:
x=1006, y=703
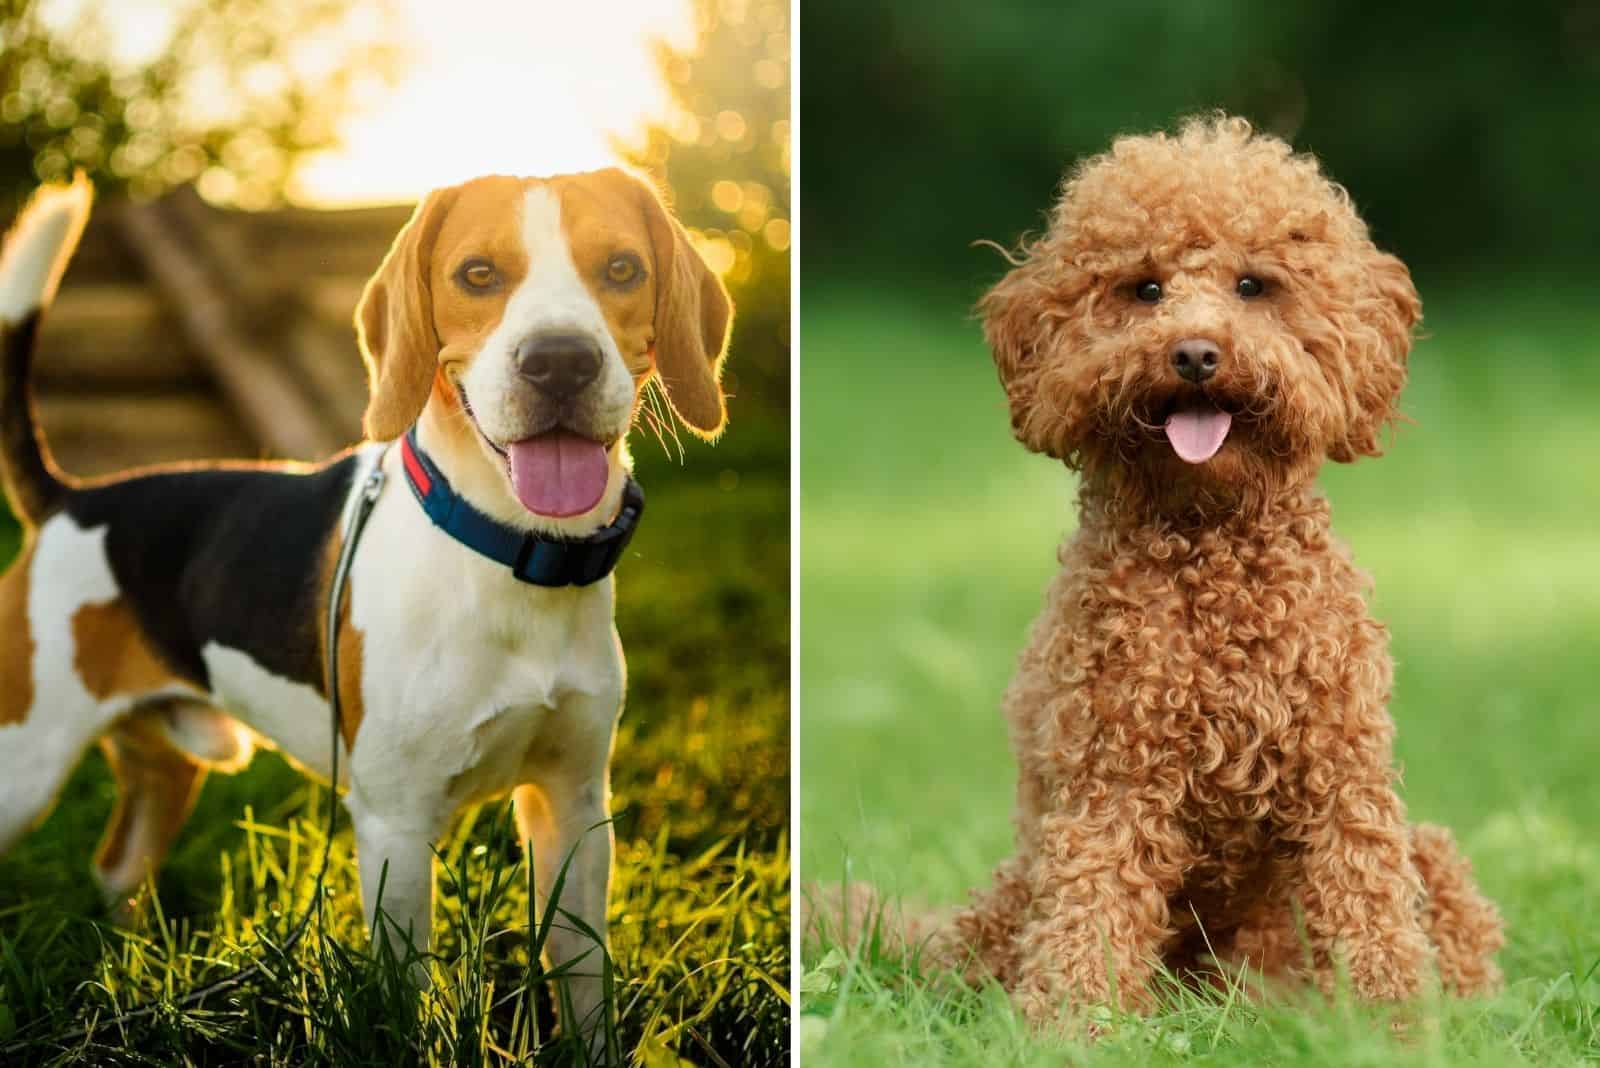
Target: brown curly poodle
x=1199, y=717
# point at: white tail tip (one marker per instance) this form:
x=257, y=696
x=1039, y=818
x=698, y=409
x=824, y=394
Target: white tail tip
x=40, y=244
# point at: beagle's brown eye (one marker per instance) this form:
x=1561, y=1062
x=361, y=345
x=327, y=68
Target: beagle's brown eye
x=1148, y=291
x=623, y=269
x=478, y=275
x=1250, y=286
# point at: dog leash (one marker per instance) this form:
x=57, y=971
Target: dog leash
x=355, y=523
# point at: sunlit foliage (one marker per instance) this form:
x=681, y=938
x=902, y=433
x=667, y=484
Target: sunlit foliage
x=724, y=155
x=229, y=97
x=725, y=151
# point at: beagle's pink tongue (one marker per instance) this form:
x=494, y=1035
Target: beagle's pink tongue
x=1197, y=433
x=558, y=473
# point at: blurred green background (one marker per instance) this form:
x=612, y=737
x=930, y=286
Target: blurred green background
x=1466, y=135
x=1464, y=131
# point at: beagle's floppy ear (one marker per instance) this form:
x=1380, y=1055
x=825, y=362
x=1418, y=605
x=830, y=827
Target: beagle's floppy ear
x=692, y=318
x=394, y=324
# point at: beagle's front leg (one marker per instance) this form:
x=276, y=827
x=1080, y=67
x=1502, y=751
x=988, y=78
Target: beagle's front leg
x=394, y=853
x=566, y=814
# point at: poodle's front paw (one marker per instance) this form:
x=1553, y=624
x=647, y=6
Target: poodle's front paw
x=1390, y=969
x=1053, y=1014
x=1043, y=1002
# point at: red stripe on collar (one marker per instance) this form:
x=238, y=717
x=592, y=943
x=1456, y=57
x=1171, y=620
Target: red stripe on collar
x=414, y=469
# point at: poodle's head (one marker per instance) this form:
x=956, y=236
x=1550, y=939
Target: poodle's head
x=1205, y=320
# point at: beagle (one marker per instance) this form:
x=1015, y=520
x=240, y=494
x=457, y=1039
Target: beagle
x=178, y=615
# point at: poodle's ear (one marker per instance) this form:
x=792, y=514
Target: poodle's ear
x=394, y=324
x=1016, y=323
x=693, y=316
x=1388, y=315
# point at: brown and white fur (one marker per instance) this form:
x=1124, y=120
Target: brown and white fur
x=176, y=616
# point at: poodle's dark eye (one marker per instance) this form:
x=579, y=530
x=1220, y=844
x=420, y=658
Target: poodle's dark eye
x=1148, y=291
x=1251, y=286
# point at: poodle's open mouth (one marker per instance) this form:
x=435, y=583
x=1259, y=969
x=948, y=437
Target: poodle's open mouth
x=1196, y=429
x=555, y=473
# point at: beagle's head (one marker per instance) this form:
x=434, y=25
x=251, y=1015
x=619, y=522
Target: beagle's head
x=518, y=321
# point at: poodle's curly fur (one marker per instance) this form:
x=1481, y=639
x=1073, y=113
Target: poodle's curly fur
x=1199, y=718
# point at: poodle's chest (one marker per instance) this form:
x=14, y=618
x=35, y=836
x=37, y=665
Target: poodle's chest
x=1233, y=685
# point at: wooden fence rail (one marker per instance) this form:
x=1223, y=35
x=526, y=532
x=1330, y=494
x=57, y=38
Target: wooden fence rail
x=183, y=331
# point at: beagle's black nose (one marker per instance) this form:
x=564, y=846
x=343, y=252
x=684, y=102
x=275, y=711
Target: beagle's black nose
x=1195, y=359
x=559, y=365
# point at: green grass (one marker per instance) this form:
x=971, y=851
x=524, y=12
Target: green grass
x=928, y=536
x=699, y=915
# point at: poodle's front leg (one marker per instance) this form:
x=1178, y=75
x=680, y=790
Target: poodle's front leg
x=1362, y=893
x=1463, y=926
x=1106, y=867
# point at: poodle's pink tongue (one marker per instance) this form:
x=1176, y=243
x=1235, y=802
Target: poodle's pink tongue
x=558, y=473
x=1197, y=433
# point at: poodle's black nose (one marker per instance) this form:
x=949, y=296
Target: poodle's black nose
x=1195, y=359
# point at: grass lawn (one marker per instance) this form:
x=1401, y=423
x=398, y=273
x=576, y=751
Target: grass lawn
x=699, y=915
x=928, y=536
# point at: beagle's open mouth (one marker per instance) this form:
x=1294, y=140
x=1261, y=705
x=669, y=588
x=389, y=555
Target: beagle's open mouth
x=556, y=473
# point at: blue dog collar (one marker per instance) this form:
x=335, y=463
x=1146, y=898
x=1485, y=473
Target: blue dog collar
x=539, y=559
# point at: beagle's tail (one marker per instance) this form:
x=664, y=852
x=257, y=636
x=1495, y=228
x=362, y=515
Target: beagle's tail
x=35, y=256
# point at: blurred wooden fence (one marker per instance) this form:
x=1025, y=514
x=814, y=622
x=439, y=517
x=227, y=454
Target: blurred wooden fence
x=186, y=332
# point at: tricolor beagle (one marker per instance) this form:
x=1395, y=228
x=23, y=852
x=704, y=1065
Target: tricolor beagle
x=178, y=615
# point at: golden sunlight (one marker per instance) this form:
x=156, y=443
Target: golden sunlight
x=482, y=86
x=500, y=86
